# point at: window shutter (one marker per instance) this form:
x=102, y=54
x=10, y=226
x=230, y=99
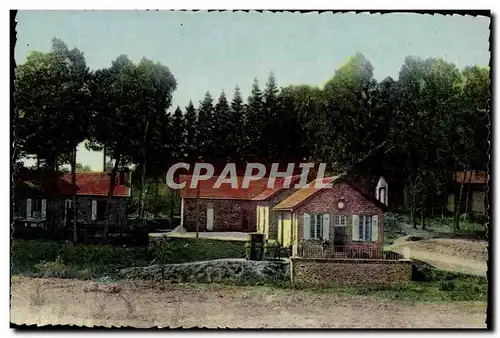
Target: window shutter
x=307, y=226
x=355, y=227
x=44, y=208
x=28, y=208
x=374, y=228
x=94, y=210
x=326, y=227
x=258, y=219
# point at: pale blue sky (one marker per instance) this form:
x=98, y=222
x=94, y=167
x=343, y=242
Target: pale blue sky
x=217, y=51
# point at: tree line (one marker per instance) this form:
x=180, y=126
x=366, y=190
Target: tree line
x=413, y=130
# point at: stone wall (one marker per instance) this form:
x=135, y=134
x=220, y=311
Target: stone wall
x=350, y=271
x=229, y=215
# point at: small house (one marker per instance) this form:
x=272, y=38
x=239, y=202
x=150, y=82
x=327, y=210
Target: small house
x=267, y=222
x=341, y=220
x=208, y=207
x=474, y=186
x=44, y=199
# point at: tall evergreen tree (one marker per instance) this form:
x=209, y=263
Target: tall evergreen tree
x=178, y=135
x=254, y=123
x=237, y=121
x=205, y=137
x=191, y=124
x=270, y=136
x=222, y=129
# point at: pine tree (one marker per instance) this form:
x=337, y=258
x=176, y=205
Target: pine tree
x=271, y=124
x=237, y=120
x=254, y=123
x=222, y=129
x=178, y=134
x=191, y=124
x=205, y=139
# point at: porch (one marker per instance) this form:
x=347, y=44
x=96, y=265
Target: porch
x=320, y=250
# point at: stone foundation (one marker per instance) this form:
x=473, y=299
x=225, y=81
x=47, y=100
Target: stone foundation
x=350, y=271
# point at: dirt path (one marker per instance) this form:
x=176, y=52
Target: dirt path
x=447, y=254
x=57, y=301
x=448, y=262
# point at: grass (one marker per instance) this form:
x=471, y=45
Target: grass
x=183, y=250
x=397, y=225
x=37, y=258
x=47, y=258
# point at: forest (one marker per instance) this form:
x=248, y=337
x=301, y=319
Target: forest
x=414, y=130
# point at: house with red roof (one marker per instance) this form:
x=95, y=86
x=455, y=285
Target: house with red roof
x=44, y=199
x=267, y=221
x=336, y=221
x=473, y=185
x=227, y=208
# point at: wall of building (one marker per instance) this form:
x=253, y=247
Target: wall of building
x=55, y=211
x=350, y=271
x=325, y=202
x=285, y=229
x=273, y=215
x=478, y=202
x=229, y=215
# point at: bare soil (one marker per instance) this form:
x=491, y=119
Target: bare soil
x=459, y=255
x=143, y=304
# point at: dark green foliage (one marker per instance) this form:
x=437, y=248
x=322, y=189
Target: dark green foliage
x=106, y=259
x=174, y=250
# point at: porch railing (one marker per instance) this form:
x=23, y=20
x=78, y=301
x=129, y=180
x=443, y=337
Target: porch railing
x=311, y=250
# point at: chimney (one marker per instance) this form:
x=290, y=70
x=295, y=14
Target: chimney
x=381, y=192
x=104, y=159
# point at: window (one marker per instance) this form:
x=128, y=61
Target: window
x=340, y=221
x=316, y=226
x=36, y=208
x=365, y=228
x=101, y=210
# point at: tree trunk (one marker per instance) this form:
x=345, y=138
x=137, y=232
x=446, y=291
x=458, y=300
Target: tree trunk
x=457, y=211
x=112, y=183
x=422, y=216
x=198, y=208
x=414, y=210
x=37, y=162
x=73, y=195
x=143, y=193
x=157, y=188
x=104, y=169
x=432, y=205
x=467, y=196
x=143, y=177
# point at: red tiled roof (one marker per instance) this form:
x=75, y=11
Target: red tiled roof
x=92, y=184
x=303, y=194
x=278, y=185
x=96, y=184
x=206, y=189
x=475, y=177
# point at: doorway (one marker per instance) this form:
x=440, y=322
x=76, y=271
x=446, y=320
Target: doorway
x=210, y=217
x=339, y=236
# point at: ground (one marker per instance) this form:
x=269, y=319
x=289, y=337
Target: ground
x=464, y=256
x=66, y=301
x=222, y=236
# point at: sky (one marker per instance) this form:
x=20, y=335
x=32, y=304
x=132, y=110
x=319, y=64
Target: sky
x=217, y=51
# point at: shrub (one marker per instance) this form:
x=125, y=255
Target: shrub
x=55, y=268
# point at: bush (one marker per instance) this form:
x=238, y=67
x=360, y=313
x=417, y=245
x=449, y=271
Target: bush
x=55, y=268
x=181, y=250
x=392, y=226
